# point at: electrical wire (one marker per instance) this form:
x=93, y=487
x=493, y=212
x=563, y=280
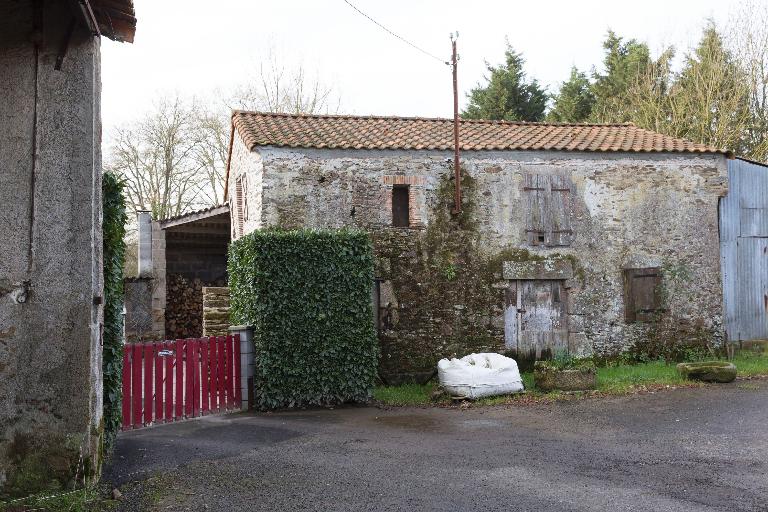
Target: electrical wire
x=425, y=52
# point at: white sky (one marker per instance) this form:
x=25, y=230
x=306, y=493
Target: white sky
x=194, y=47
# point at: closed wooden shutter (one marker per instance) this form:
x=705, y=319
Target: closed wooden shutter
x=548, y=208
x=239, y=205
x=642, y=300
x=536, y=188
x=559, y=209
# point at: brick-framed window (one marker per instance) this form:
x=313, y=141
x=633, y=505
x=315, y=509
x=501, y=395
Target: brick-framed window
x=401, y=208
x=642, y=294
x=404, y=195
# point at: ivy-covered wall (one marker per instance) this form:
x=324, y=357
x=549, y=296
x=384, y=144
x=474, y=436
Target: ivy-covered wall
x=307, y=295
x=113, y=227
x=441, y=279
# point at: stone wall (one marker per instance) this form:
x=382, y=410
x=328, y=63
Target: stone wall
x=140, y=323
x=215, y=311
x=159, y=282
x=51, y=316
x=442, y=287
x=246, y=168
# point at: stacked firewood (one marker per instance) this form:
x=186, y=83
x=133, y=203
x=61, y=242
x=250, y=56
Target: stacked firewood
x=184, y=306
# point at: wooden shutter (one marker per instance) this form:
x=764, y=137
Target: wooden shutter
x=536, y=189
x=239, y=204
x=548, y=207
x=559, y=210
x=642, y=300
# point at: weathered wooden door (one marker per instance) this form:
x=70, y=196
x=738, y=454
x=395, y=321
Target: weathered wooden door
x=535, y=317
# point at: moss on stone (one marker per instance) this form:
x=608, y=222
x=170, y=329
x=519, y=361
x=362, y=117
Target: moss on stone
x=42, y=464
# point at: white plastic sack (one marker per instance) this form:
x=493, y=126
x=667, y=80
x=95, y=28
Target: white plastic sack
x=479, y=375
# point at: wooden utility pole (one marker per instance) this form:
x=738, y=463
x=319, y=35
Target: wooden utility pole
x=456, y=164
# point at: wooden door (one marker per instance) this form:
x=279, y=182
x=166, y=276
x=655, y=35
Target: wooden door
x=536, y=324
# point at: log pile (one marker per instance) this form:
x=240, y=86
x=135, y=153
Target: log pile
x=184, y=306
x=215, y=311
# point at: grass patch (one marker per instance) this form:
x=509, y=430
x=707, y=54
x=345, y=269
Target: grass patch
x=625, y=378
x=81, y=500
x=406, y=394
x=615, y=379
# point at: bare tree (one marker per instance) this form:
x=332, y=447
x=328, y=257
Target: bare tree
x=174, y=159
x=275, y=88
x=160, y=159
x=211, y=153
x=748, y=40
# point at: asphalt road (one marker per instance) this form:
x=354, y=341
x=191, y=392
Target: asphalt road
x=679, y=450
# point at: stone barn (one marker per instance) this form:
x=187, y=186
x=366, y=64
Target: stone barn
x=51, y=290
x=571, y=237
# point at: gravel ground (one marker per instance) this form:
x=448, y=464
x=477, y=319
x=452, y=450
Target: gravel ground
x=680, y=450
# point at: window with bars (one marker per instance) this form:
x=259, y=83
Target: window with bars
x=548, y=209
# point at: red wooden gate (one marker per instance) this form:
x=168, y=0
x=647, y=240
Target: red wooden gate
x=166, y=381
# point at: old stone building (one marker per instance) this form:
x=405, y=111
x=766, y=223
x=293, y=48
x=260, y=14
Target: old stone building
x=586, y=238
x=51, y=297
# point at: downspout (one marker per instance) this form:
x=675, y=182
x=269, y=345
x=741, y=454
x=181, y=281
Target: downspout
x=37, y=31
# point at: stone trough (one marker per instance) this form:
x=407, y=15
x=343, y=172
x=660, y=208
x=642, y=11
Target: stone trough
x=549, y=378
x=708, y=371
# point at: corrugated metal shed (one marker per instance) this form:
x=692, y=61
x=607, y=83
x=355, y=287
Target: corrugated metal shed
x=744, y=251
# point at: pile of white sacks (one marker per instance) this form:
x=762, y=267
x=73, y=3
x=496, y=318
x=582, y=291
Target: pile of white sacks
x=479, y=375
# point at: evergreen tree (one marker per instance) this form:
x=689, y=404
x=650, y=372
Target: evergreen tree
x=625, y=62
x=710, y=96
x=575, y=100
x=508, y=94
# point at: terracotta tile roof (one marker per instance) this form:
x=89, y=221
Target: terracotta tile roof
x=372, y=132
x=116, y=19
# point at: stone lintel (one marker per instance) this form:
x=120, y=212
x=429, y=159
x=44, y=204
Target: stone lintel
x=549, y=268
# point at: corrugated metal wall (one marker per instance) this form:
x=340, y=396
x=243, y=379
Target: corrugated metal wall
x=744, y=251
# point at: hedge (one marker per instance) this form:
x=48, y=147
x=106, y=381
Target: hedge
x=307, y=295
x=113, y=231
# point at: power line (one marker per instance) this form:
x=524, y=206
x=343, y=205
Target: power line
x=425, y=52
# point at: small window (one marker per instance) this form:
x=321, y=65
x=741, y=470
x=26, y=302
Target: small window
x=400, y=206
x=642, y=294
